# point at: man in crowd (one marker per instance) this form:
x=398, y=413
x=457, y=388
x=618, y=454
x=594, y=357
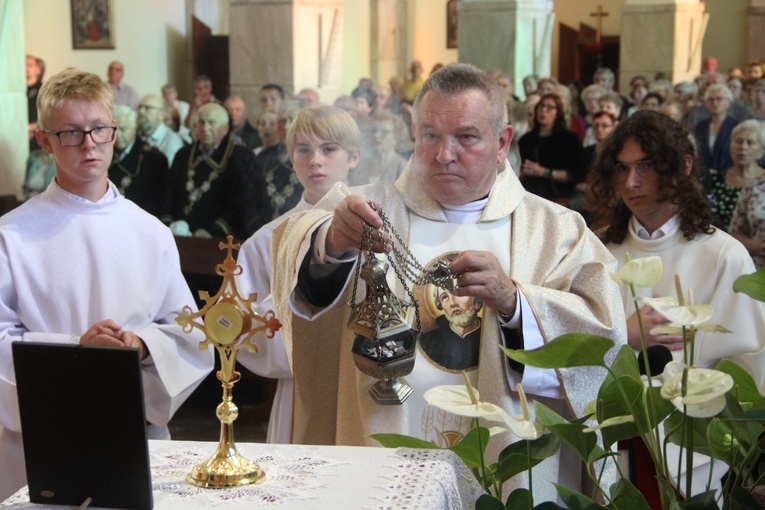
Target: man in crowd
x=138, y=170
x=308, y=97
x=80, y=264
x=240, y=126
x=606, y=78
x=213, y=189
x=35, y=73
x=203, y=94
x=645, y=182
x=121, y=92
x=153, y=130
x=271, y=97
x=458, y=195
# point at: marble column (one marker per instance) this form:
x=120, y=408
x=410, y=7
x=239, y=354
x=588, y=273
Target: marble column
x=388, y=48
x=510, y=35
x=14, y=144
x=756, y=32
x=295, y=43
x=662, y=35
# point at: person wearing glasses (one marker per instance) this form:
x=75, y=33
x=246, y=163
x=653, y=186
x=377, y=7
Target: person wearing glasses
x=80, y=264
x=646, y=189
x=153, y=130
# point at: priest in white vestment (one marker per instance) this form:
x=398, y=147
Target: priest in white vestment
x=536, y=268
x=646, y=184
x=80, y=264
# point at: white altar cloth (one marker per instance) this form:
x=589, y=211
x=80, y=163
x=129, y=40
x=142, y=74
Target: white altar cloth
x=308, y=477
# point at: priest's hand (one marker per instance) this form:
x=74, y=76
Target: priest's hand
x=482, y=276
x=348, y=224
x=651, y=319
x=110, y=334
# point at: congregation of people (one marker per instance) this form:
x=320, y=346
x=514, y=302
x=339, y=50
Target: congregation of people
x=466, y=170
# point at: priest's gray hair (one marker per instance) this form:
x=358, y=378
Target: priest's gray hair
x=455, y=79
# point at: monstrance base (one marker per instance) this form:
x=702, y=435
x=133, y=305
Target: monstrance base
x=222, y=471
x=391, y=392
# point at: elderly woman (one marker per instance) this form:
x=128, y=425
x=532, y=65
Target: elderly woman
x=713, y=134
x=746, y=147
x=551, y=154
x=748, y=221
x=591, y=98
x=757, y=99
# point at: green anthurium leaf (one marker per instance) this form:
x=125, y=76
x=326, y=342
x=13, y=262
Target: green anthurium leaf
x=520, y=499
x=625, y=364
x=747, y=388
x=574, y=499
x=723, y=442
x=703, y=501
x=487, y=502
x=570, y=350
x=402, y=441
x=469, y=449
x=584, y=444
x=625, y=495
x=523, y=455
x=673, y=428
x=753, y=285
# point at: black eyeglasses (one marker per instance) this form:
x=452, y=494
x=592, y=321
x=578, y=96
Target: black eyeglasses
x=74, y=137
x=642, y=168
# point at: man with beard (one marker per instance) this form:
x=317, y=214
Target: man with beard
x=153, y=130
x=138, y=170
x=455, y=343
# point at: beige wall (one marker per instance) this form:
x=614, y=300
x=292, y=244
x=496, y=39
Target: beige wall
x=726, y=33
x=152, y=47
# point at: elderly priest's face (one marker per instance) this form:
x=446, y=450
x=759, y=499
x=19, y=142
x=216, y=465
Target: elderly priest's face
x=457, y=150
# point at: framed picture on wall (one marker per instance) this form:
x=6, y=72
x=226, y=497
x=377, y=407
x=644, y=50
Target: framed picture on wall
x=92, y=24
x=451, y=24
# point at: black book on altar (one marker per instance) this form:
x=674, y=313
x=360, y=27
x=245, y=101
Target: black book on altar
x=83, y=425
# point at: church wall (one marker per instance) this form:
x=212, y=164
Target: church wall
x=428, y=34
x=356, y=43
x=726, y=33
x=152, y=47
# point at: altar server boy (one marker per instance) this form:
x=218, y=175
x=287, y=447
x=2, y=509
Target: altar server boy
x=323, y=143
x=80, y=264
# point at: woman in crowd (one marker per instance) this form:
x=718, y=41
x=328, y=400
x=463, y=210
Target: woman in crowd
x=748, y=221
x=746, y=148
x=591, y=98
x=551, y=154
x=713, y=134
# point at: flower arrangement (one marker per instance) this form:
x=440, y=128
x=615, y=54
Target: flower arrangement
x=715, y=412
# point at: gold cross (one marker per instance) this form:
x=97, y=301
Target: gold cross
x=600, y=14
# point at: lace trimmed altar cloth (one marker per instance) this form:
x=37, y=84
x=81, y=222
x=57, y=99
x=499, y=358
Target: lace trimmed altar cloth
x=309, y=477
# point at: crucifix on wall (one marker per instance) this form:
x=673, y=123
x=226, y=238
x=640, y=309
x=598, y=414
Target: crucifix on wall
x=599, y=15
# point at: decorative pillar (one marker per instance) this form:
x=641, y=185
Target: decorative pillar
x=14, y=144
x=295, y=43
x=511, y=35
x=756, y=32
x=388, y=48
x=675, y=29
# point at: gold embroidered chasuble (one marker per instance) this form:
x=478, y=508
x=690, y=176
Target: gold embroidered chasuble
x=559, y=265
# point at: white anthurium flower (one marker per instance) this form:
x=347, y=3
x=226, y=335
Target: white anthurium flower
x=642, y=272
x=464, y=401
x=677, y=329
x=616, y=420
x=688, y=315
x=704, y=393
